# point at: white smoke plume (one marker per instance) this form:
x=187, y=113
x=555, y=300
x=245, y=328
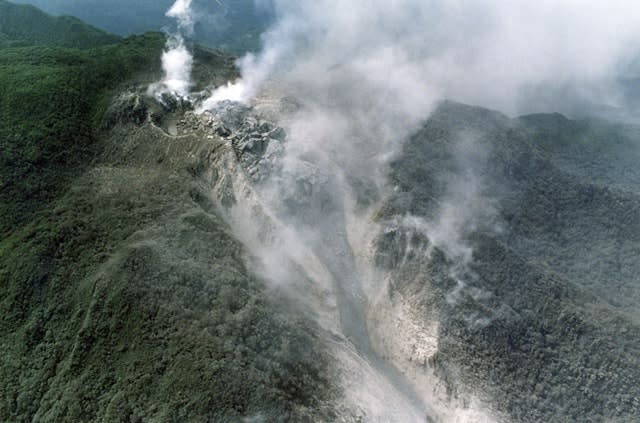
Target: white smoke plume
x=177, y=61
x=490, y=52
x=181, y=11
x=368, y=73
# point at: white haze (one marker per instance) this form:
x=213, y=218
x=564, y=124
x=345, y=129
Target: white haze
x=181, y=11
x=488, y=52
x=177, y=61
x=368, y=73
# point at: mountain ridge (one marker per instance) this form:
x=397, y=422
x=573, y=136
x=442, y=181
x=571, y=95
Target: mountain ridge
x=28, y=24
x=130, y=291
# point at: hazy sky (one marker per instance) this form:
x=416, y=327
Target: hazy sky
x=490, y=52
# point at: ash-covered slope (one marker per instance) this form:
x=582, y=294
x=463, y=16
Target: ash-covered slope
x=564, y=191
x=162, y=265
x=468, y=296
x=541, y=315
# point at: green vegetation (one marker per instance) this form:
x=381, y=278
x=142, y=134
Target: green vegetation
x=123, y=296
x=234, y=26
x=116, y=16
x=51, y=100
x=29, y=24
x=104, y=321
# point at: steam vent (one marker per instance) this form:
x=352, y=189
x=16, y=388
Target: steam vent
x=304, y=211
